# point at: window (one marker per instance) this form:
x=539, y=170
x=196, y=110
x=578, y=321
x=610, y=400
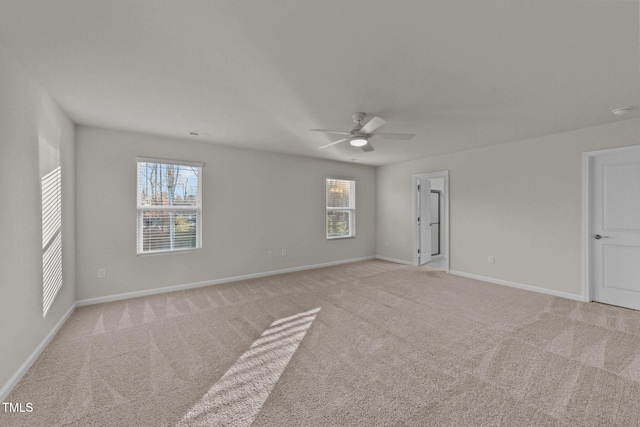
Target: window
x=51, y=186
x=341, y=208
x=169, y=206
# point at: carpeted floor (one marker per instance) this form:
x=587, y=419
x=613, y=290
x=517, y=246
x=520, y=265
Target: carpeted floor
x=363, y=344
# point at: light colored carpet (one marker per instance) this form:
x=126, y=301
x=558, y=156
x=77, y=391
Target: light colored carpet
x=363, y=344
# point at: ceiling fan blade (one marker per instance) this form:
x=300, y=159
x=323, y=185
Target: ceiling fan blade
x=399, y=136
x=332, y=143
x=367, y=147
x=337, y=132
x=372, y=125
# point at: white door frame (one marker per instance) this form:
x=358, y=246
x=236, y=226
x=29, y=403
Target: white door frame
x=444, y=228
x=588, y=172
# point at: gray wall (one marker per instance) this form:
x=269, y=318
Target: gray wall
x=31, y=126
x=253, y=202
x=521, y=202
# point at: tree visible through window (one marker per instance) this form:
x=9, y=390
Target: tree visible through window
x=341, y=208
x=169, y=205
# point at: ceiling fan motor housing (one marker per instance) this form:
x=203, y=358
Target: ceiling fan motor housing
x=358, y=117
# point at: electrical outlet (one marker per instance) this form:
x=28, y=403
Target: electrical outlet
x=102, y=273
x=269, y=254
x=284, y=252
x=492, y=259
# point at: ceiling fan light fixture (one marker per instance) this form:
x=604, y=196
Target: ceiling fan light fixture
x=358, y=141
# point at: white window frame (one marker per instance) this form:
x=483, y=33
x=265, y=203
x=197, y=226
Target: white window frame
x=351, y=208
x=196, y=209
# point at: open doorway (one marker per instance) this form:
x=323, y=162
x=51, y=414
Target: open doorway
x=431, y=219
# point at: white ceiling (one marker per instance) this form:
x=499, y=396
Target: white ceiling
x=258, y=74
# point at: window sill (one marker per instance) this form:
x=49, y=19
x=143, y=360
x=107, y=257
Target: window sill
x=341, y=237
x=169, y=252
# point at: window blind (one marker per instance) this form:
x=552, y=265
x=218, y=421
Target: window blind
x=51, y=186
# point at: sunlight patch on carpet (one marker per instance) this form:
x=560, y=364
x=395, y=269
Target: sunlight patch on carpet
x=238, y=396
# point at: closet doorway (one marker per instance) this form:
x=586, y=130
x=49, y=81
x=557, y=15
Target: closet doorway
x=430, y=219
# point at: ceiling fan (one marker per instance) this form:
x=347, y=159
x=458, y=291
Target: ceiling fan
x=360, y=134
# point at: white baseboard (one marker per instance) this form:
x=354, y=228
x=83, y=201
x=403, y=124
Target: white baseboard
x=154, y=291
x=520, y=286
x=15, y=379
x=397, y=261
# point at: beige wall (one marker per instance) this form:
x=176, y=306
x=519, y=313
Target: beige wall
x=253, y=202
x=34, y=134
x=521, y=202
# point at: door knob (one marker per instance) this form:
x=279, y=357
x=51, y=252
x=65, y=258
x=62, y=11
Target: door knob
x=598, y=237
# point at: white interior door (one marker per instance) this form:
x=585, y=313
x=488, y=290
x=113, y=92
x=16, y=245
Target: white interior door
x=615, y=231
x=424, y=220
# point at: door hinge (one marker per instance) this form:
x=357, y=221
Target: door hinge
x=418, y=187
x=418, y=250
